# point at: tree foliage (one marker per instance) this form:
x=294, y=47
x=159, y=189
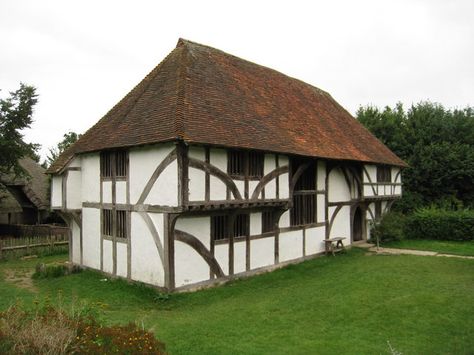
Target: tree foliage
x=16, y=114
x=437, y=143
x=69, y=138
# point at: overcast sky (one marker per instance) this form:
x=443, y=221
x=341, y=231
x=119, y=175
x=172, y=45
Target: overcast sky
x=84, y=56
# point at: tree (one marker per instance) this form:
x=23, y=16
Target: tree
x=438, y=145
x=68, y=139
x=16, y=114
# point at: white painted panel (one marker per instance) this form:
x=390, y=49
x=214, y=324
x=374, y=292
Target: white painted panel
x=321, y=208
x=255, y=223
x=284, y=220
x=56, y=191
x=239, y=256
x=146, y=263
x=262, y=252
x=284, y=186
x=76, y=244
x=372, y=171
x=90, y=174
x=91, y=237
x=240, y=186
x=121, y=191
x=143, y=162
x=341, y=226
x=200, y=227
x=221, y=253
x=321, y=183
x=315, y=240
x=291, y=245
x=372, y=209
x=270, y=189
x=197, y=152
x=73, y=188
x=384, y=206
x=165, y=190
x=122, y=259
x=395, y=171
x=269, y=163
x=368, y=190
x=107, y=191
x=107, y=256
x=190, y=267
x=398, y=190
x=218, y=158
x=338, y=188
x=197, y=185
x=218, y=190
x=252, y=185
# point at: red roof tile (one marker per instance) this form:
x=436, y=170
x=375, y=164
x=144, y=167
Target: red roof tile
x=202, y=95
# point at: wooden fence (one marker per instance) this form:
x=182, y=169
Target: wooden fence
x=19, y=240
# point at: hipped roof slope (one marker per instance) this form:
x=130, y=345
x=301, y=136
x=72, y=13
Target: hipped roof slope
x=202, y=95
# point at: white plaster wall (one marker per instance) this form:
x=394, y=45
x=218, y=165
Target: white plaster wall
x=284, y=184
x=384, y=206
x=252, y=185
x=107, y=191
x=321, y=175
x=262, y=252
x=372, y=171
x=321, y=208
x=270, y=189
x=255, y=223
x=75, y=162
x=146, y=264
x=165, y=190
x=56, y=191
x=200, y=227
x=218, y=158
x=107, y=256
x=73, y=188
x=143, y=162
x=341, y=226
x=291, y=245
x=395, y=171
x=338, y=189
x=221, y=253
x=121, y=191
x=193, y=270
x=76, y=244
x=368, y=191
x=91, y=237
x=241, y=187
x=197, y=184
x=372, y=209
x=269, y=163
x=284, y=220
x=90, y=177
x=240, y=249
x=398, y=190
x=122, y=259
x=314, y=240
x=197, y=152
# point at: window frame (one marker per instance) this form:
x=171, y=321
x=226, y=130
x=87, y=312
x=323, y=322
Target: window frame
x=304, y=198
x=242, y=164
x=114, y=224
x=222, y=231
x=114, y=164
x=384, y=174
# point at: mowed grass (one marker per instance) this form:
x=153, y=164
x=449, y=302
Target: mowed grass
x=348, y=304
x=441, y=246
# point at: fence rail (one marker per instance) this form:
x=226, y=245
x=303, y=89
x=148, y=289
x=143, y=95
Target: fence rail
x=20, y=240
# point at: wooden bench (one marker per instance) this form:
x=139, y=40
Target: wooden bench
x=334, y=245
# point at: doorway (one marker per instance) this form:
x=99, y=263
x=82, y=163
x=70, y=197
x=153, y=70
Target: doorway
x=357, y=225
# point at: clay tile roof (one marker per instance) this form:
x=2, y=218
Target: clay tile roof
x=202, y=95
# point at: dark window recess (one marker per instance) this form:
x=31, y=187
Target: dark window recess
x=220, y=228
x=107, y=222
x=378, y=209
x=384, y=174
x=107, y=166
x=242, y=163
x=304, y=194
x=121, y=219
x=267, y=221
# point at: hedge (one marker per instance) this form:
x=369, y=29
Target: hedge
x=434, y=223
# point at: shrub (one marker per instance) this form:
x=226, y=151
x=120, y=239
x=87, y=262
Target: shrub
x=390, y=227
x=48, y=330
x=43, y=271
x=435, y=223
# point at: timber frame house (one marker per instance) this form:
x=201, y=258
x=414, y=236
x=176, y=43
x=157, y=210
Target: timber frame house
x=214, y=167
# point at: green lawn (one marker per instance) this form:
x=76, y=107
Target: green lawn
x=348, y=304
x=441, y=246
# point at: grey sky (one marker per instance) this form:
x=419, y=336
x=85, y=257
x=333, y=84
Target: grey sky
x=84, y=56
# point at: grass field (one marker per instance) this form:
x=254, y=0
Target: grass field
x=441, y=246
x=348, y=304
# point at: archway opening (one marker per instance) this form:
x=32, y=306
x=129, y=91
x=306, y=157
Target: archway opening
x=357, y=231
